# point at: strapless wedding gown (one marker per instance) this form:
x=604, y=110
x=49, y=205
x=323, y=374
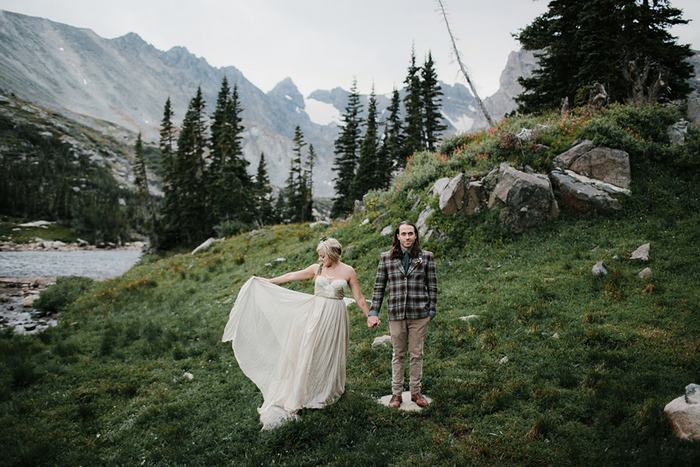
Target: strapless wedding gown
x=292, y=345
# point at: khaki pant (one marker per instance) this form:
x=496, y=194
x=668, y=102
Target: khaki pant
x=407, y=333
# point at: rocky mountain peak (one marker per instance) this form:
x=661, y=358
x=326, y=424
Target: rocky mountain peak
x=286, y=91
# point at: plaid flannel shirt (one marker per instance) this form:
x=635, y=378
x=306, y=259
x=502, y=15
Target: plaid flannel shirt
x=412, y=293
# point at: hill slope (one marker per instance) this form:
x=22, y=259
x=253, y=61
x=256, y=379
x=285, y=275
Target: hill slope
x=560, y=366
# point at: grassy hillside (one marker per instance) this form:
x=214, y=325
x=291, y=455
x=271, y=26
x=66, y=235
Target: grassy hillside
x=560, y=367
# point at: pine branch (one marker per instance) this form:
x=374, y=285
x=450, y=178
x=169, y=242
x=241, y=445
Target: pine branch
x=462, y=67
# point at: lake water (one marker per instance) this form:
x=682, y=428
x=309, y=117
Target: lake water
x=96, y=264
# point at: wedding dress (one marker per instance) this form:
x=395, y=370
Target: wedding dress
x=292, y=345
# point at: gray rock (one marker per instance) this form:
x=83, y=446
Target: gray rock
x=381, y=341
x=528, y=199
x=604, y=164
x=646, y=272
x=476, y=197
x=388, y=230
x=452, y=197
x=28, y=301
x=684, y=418
x=676, y=133
x=641, y=253
x=461, y=196
x=692, y=393
x=582, y=198
x=433, y=234
x=380, y=219
x=439, y=185
x=204, y=246
x=467, y=318
x=422, y=218
x=599, y=268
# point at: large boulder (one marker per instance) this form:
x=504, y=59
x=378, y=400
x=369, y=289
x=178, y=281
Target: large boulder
x=582, y=198
x=605, y=164
x=439, y=185
x=528, y=199
x=452, y=196
x=461, y=196
x=684, y=414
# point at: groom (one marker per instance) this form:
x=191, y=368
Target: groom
x=412, y=302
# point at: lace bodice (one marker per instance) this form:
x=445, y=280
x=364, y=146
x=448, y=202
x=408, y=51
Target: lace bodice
x=334, y=289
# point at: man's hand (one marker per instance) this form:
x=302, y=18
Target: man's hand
x=373, y=321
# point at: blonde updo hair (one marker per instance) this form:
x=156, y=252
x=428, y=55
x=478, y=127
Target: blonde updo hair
x=331, y=247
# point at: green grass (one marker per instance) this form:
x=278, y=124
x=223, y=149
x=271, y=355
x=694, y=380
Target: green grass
x=591, y=361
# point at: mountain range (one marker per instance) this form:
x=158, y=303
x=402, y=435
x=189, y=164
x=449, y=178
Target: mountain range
x=127, y=81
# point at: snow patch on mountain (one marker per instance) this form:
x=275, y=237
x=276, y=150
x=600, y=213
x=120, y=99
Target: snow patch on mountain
x=463, y=123
x=321, y=113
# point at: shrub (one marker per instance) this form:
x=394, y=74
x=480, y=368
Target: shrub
x=65, y=291
x=231, y=228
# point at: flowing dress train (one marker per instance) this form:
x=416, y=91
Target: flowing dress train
x=292, y=345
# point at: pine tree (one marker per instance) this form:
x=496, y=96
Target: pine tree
x=346, y=151
x=166, y=228
x=296, y=183
x=369, y=168
x=309, y=183
x=430, y=97
x=147, y=211
x=191, y=219
x=231, y=186
x=140, y=179
x=413, y=103
x=393, y=152
x=261, y=194
x=622, y=44
x=218, y=127
x=167, y=143
x=280, y=210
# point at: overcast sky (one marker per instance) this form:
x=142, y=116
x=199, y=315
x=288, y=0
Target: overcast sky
x=322, y=44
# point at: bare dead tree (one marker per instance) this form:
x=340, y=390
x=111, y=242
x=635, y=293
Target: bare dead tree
x=462, y=67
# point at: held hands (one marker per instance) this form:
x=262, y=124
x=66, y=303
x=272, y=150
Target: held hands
x=373, y=321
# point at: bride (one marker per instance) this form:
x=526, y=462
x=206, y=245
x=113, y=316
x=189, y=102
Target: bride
x=292, y=345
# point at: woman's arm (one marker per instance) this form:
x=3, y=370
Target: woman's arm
x=307, y=273
x=360, y=299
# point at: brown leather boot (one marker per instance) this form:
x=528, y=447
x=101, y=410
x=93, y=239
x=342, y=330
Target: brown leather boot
x=419, y=399
x=395, y=401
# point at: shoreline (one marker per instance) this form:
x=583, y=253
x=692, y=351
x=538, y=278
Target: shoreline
x=17, y=295
x=47, y=245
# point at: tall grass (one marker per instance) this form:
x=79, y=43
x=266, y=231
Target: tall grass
x=560, y=367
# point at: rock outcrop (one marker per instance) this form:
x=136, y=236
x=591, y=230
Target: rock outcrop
x=587, y=179
x=607, y=165
x=528, y=199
